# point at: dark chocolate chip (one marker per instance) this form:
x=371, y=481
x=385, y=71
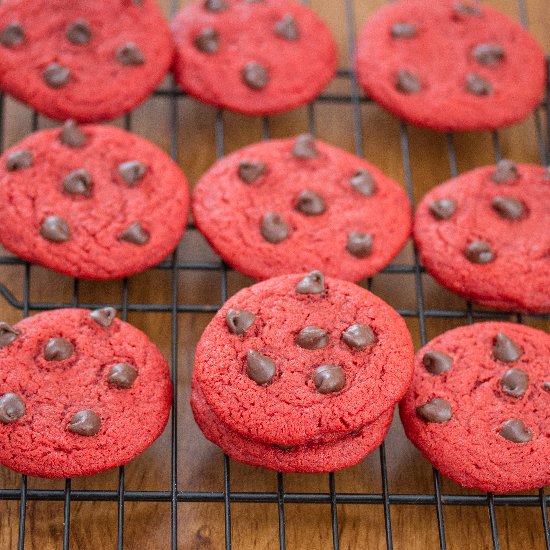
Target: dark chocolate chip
x=466, y=9
x=78, y=182
x=104, y=316
x=249, y=171
x=442, y=209
x=359, y=244
x=488, y=54
x=312, y=338
x=477, y=85
x=135, y=234
x=359, y=336
x=546, y=386
x=132, y=171
x=215, y=5
x=71, y=135
x=329, y=378
x=207, y=41
x=79, y=32
x=516, y=431
x=363, y=182
x=437, y=362
x=12, y=407
x=122, y=375
x=479, y=252
x=515, y=382
x=56, y=75
x=130, y=54
x=504, y=349
x=55, y=229
x=238, y=321
x=19, y=160
x=259, y=367
x=255, y=75
x=403, y=30
x=85, y=422
x=285, y=447
x=436, y=410
x=508, y=208
x=505, y=172
x=12, y=35
x=304, y=147
x=7, y=334
x=273, y=228
x=58, y=349
x=407, y=82
x=312, y=283
x=287, y=28
x=310, y=203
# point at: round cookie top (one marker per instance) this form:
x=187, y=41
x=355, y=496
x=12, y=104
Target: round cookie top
x=286, y=206
x=94, y=202
x=486, y=235
x=80, y=392
x=89, y=61
x=254, y=57
x=450, y=65
x=478, y=406
x=296, y=357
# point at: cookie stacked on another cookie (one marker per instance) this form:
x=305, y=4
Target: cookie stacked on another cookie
x=301, y=373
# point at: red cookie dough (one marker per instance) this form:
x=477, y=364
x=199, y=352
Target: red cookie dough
x=256, y=58
x=506, y=225
x=419, y=60
x=85, y=60
x=230, y=212
x=498, y=435
x=109, y=208
x=36, y=437
x=293, y=406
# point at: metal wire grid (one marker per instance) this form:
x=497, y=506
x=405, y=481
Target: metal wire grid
x=174, y=265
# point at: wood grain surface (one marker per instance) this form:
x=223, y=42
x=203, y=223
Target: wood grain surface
x=200, y=466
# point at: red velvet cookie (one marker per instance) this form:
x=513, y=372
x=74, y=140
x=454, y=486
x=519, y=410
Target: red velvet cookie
x=478, y=406
x=89, y=61
x=80, y=392
x=287, y=206
x=254, y=57
x=94, y=202
x=486, y=235
x=302, y=359
x=450, y=65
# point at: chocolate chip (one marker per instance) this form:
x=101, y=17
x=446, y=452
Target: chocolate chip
x=508, y=208
x=437, y=362
x=329, y=378
x=255, y=75
x=287, y=28
x=312, y=283
x=407, y=82
x=488, y=54
x=17, y=160
x=12, y=35
x=304, y=147
x=546, y=386
x=515, y=382
x=359, y=244
x=249, y=171
x=506, y=172
x=238, y=321
x=85, y=422
x=285, y=447
x=310, y=203
x=516, y=431
x=466, y=9
x=436, y=410
x=104, y=316
x=259, y=367
x=79, y=32
x=359, y=336
x=78, y=182
x=55, y=229
x=312, y=338
x=71, y=135
x=207, y=41
x=477, y=85
x=442, y=209
x=7, y=334
x=122, y=375
x=56, y=75
x=504, y=349
x=135, y=234
x=479, y=252
x=132, y=171
x=215, y=5
x=403, y=30
x=58, y=349
x=363, y=182
x=12, y=407
x=273, y=228
x=129, y=54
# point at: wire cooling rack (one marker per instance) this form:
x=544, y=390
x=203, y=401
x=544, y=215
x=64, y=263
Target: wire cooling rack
x=176, y=265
